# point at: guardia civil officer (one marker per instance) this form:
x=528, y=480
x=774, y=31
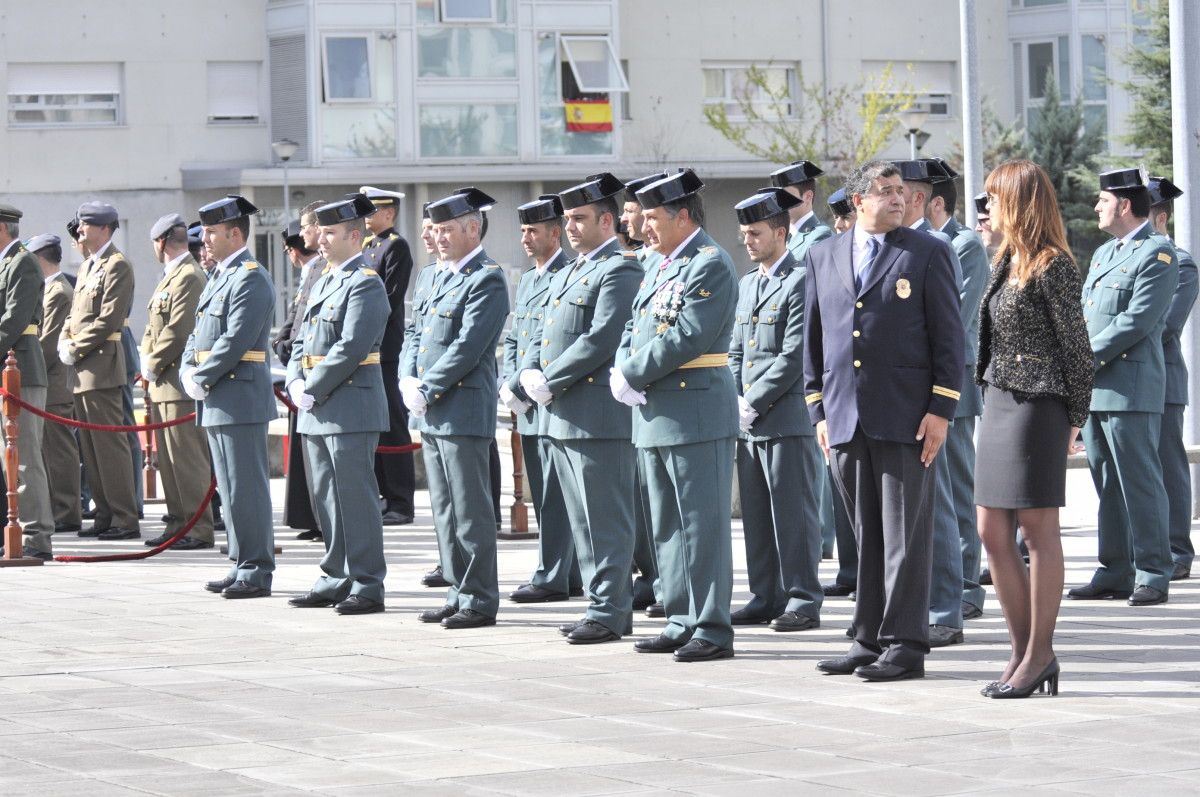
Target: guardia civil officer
x=448, y=383
x=557, y=573
x=983, y=225
x=566, y=371
x=956, y=484
x=842, y=209
x=184, y=463
x=1126, y=294
x=225, y=371
x=60, y=449
x=882, y=367
x=91, y=343
x=799, y=179
x=672, y=367
x=388, y=254
x=946, y=579
x=335, y=379
x=300, y=247
x=779, y=466
x=21, y=290
x=1176, y=471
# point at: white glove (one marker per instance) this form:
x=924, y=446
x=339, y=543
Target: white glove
x=534, y=382
x=143, y=368
x=414, y=399
x=64, y=351
x=510, y=400
x=194, y=389
x=302, y=400
x=746, y=414
x=621, y=391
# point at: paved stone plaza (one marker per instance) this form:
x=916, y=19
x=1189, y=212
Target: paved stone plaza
x=128, y=678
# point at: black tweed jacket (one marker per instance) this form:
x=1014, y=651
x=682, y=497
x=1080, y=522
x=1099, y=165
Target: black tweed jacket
x=1036, y=344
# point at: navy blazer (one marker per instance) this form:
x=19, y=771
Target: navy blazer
x=884, y=356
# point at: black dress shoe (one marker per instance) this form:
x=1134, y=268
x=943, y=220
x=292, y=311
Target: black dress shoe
x=88, y=514
x=794, y=621
x=702, y=650
x=218, y=524
x=311, y=535
x=1181, y=571
x=971, y=612
x=659, y=644
x=394, y=518
x=356, y=604
x=531, y=593
x=656, y=610
x=589, y=632
x=844, y=665
x=59, y=528
x=93, y=531
x=744, y=616
x=641, y=603
x=1094, y=592
x=168, y=518
x=310, y=600
x=985, y=577
x=190, y=544
x=434, y=578
x=941, y=636
x=154, y=542
x=437, y=615
x=220, y=584
x=836, y=590
x=566, y=628
x=887, y=671
x=467, y=618
x=1147, y=596
x=244, y=589
x=576, y=592
x=120, y=534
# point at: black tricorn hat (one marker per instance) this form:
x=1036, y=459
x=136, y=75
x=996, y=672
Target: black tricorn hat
x=1163, y=190
x=633, y=186
x=593, y=189
x=460, y=203
x=672, y=188
x=981, y=202
x=73, y=228
x=947, y=171
x=353, y=206
x=195, y=232
x=231, y=208
x=547, y=207
x=1124, y=180
x=795, y=173
x=840, y=204
x=764, y=204
x=922, y=170
x=291, y=235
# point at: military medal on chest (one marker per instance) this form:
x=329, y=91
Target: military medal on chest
x=903, y=288
x=666, y=305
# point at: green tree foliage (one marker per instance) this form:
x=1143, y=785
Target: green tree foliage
x=1150, y=62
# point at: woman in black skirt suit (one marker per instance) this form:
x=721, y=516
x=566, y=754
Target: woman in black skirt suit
x=1035, y=361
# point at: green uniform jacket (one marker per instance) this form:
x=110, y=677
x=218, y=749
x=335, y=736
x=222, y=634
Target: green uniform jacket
x=766, y=355
x=681, y=312
x=1174, y=321
x=810, y=232
x=21, y=287
x=452, y=349
x=56, y=304
x=972, y=257
x=420, y=308
x=527, y=318
x=171, y=319
x=1125, y=298
x=585, y=315
x=343, y=325
x=99, y=310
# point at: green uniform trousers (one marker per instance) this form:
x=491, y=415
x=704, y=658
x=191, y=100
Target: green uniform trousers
x=184, y=467
x=558, y=567
x=60, y=454
x=107, y=458
x=33, y=490
x=239, y=456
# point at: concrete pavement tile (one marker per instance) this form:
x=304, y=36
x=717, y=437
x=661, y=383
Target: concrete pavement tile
x=760, y=787
x=687, y=746
x=544, y=783
x=72, y=788
x=322, y=774
x=434, y=766
x=153, y=737
x=201, y=783
x=667, y=774
x=475, y=737
x=235, y=755
x=82, y=719
x=903, y=781
x=393, y=721
x=1159, y=786
x=352, y=746
x=104, y=762
x=800, y=764
x=560, y=755
x=1036, y=770
x=443, y=788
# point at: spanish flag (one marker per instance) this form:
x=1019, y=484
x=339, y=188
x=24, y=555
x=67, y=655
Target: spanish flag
x=589, y=116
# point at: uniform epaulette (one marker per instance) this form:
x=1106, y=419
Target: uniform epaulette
x=368, y=240
x=370, y=272
x=1165, y=258
x=629, y=253
x=393, y=236
x=708, y=250
x=250, y=264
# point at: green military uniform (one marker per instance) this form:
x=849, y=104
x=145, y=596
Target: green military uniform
x=675, y=350
x=586, y=310
x=557, y=570
x=184, y=463
x=1125, y=296
x=1177, y=473
x=226, y=356
x=60, y=449
x=99, y=311
x=21, y=289
x=808, y=232
x=337, y=357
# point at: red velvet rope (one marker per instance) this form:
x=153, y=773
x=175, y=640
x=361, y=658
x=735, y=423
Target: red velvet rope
x=94, y=427
x=129, y=557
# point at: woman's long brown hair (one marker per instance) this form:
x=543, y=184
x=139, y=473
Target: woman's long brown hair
x=1025, y=211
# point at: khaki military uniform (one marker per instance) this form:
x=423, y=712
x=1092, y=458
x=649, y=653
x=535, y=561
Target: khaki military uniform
x=60, y=449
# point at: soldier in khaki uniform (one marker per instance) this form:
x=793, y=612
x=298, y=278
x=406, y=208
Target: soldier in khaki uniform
x=21, y=288
x=91, y=341
x=183, y=456
x=60, y=450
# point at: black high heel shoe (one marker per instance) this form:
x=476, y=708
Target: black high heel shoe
x=1045, y=683
x=991, y=687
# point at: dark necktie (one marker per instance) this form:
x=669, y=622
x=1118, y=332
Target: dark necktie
x=864, y=272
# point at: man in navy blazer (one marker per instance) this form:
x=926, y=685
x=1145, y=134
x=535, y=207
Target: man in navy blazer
x=883, y=363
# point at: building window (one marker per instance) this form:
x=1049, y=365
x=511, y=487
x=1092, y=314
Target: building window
x=774, y=92
x=593, y=64
x=561, y=100
x=466, y=52
x=472, y=130
x=348, y=68
x=64, y=94
x=1037, y=61
x=233, y=91
x=468, y=10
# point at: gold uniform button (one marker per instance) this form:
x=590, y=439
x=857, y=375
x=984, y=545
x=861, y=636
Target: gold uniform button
x=858, y=363
x=524, y=333
x=590, y=380
x=1102, y=362
x=683, y=384
x=545, y=362
x=422, y=350
x=545, y=341
x=643, y=312
x=557, y=302
x=550, y=323
x=858, y=305
x=437, y=395
x=750, y=364
x=746, y=386
x=752, y=344
x=426, y=329
x=754, y=320
x=1124, y=356
x=857, y=334
x=1090, y=302
x=521, y=352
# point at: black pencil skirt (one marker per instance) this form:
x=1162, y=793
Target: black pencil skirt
x=1021, y=452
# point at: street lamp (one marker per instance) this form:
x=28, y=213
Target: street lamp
x=285, y=148
x=911, y=120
